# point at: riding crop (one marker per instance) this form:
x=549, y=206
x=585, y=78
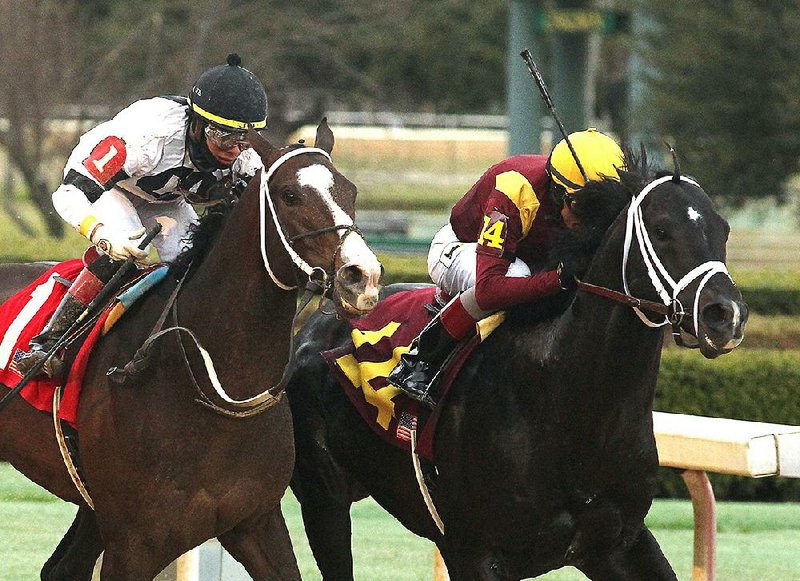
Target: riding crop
x=548, y=101
x=110, y=287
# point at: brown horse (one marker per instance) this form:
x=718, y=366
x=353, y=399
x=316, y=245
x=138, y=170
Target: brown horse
x=165, y=473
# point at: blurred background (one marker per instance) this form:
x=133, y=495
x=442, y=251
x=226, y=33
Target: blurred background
x=423, y=96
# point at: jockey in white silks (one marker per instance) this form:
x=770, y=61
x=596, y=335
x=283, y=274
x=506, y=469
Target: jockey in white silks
x=149, y=164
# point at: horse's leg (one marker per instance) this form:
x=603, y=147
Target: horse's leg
x=640, y=561
x=264, y=548
x=130, y=558
x=77, y=553
x=328, y=528
x=325, y=491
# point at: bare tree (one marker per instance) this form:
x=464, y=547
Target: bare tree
x=312, y=56
x=37, y=41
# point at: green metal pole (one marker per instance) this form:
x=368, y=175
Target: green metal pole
x=525, y=109
x=570, y=71
x=640, y=125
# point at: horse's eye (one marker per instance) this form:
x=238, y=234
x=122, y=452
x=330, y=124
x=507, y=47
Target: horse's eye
x=661, y=234
x=290, y=197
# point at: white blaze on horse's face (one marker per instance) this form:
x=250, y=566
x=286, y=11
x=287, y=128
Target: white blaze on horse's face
x=354, y=250
x=694, y=215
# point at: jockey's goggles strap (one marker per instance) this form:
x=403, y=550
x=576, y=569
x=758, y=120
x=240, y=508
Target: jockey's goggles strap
x=666, y=287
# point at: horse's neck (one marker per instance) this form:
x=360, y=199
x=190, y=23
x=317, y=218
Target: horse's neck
x=604, y=349
x=240, y=316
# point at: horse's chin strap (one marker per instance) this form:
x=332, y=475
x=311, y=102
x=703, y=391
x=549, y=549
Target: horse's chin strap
x=666, y=287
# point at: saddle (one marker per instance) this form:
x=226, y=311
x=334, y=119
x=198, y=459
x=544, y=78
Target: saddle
x=24, y=315
x=378, y=341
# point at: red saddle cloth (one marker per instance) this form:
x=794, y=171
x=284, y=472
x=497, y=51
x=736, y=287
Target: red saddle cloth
x=361, y=367
x=25, y=315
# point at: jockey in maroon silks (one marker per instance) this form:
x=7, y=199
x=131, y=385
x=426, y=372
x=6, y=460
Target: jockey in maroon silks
x=490, y=254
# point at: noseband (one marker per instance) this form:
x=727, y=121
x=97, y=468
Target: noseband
x=667, y=288
x=318, y=277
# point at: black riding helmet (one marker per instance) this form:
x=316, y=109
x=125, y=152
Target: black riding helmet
x=230, y=97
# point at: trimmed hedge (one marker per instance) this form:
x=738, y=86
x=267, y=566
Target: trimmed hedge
x=753, y=384
x=756, y=384
x=772, y=301
x=765, y=292
x=750, y=383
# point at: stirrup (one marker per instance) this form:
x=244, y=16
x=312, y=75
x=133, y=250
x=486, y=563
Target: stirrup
x=53, y=367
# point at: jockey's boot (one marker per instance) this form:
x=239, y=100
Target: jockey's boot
x=417, y=373
x=87, y=286
x=67, y=313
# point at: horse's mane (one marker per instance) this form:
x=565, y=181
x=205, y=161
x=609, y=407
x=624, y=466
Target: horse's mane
x=597, y=206
x=201, y=236
x=204, y=232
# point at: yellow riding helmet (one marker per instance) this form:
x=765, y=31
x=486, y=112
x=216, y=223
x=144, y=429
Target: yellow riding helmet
x=599, y=155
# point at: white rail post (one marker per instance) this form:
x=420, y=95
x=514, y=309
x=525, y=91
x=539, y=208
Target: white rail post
x=705, y=525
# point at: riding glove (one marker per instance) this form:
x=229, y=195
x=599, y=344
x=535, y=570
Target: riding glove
x=247, y=164
x=117, y=245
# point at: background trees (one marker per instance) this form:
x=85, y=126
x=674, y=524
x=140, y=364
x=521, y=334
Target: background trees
x=724, y=85
x=721, y=82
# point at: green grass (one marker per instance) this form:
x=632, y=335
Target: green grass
x=756, y=541
x=17, y=247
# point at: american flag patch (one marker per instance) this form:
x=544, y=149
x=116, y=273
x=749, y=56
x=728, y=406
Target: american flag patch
x=405, y=423
x=12, y=366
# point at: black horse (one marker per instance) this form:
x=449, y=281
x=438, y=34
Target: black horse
x=544, y=453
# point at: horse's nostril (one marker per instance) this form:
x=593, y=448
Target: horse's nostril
x=745, y=312
x=351, y=274
x=717, y=314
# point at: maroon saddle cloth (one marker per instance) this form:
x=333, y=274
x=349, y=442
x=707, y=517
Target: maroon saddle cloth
x=362, y=365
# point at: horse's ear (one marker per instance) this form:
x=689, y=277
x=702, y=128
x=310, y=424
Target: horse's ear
x=324, y=139
x=264, y=148
x=676, y=173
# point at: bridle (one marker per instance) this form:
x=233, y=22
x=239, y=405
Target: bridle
x=314, y=273
x=318, y=283
x=665, y=285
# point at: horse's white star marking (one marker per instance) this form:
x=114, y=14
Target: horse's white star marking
x=694, y=215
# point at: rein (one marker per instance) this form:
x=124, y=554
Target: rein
x=316, y=285
x=631, y=301
x=671, y=307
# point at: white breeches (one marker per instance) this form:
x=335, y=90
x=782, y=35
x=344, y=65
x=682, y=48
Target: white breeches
x=452, y=264
x=128, y=213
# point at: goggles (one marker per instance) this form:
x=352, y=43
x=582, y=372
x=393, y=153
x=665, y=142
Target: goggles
x=226, y=139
